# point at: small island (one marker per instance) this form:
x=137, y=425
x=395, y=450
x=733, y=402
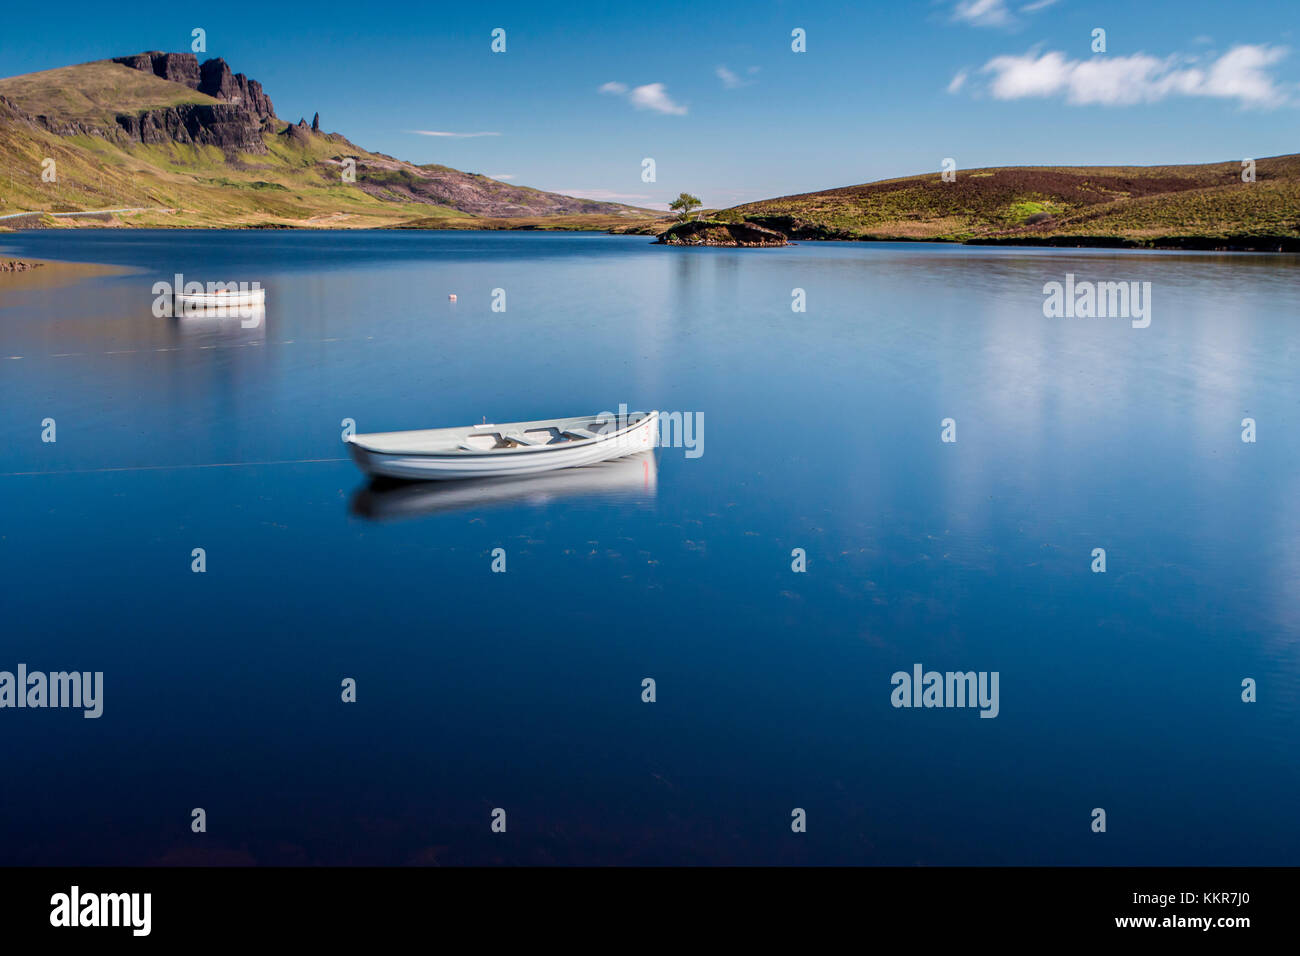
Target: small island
x=715, y=232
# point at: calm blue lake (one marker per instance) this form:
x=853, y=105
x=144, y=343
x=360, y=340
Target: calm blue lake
x=522, y=690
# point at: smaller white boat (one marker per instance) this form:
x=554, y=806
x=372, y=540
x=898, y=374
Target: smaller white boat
x=220, y=299
x=497, y=451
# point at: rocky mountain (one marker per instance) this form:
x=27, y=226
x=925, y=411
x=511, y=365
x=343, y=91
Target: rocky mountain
x=224, y=126
x=236, y=122
x=212, y=78
x=194, y=143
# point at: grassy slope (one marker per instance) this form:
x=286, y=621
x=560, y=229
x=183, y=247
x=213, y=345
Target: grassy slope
x=1030, y=204
x=297, y=182
x=93, y=93
x=196, y=183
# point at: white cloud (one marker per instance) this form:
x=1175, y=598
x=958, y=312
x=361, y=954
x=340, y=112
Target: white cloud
x=1241, y=74
x=652, y=96
x=1018, y=76
x=730, y=80
x=958, y=81
x=983, y=13
x=438, y=132
x=994, y=13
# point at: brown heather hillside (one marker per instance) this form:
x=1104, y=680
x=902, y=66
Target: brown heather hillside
x=143, y=135
x=1204, y=205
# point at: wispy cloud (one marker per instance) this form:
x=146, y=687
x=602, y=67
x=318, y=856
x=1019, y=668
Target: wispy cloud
x=654, y=96
x=994, y=13
x=651, y=96
x=1241, y=74
x=449, y=135
x=958, y=81
x=732, y=81
x=983, y=13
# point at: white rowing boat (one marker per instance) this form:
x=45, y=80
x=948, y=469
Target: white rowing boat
x=497, y=451
x=220, y=299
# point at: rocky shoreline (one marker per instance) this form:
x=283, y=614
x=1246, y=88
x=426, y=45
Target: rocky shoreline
x=18, y=265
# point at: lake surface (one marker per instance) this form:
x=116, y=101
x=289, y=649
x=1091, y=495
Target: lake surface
x=523, y=690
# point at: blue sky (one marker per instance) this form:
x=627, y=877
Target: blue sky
x=714, y=94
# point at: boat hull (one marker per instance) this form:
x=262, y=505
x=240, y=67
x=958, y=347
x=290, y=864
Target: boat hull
x=641, y=435
x=211, y=301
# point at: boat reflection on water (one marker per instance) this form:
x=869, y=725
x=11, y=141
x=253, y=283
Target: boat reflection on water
x=246, y=323
x=631, y=478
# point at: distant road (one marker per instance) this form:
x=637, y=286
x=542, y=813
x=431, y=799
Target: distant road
x=85, y=212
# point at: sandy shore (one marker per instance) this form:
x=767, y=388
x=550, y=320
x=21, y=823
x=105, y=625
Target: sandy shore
x=48, y=273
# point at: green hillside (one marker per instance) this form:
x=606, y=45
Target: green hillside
x=1106, y=205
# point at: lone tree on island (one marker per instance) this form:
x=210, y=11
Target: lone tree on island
x=683, y=205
